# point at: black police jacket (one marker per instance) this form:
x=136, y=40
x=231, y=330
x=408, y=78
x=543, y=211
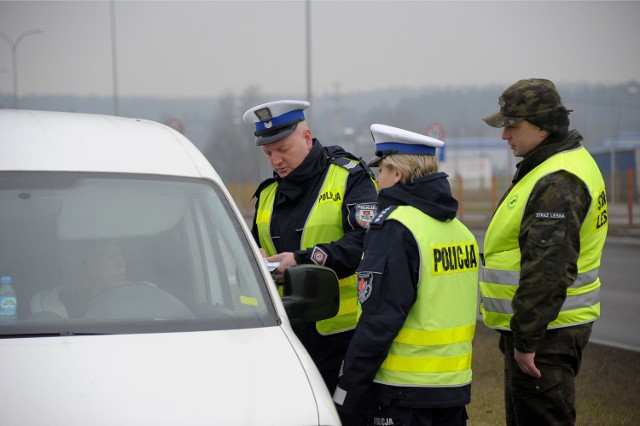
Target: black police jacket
x=386, y=311
x=296, y=195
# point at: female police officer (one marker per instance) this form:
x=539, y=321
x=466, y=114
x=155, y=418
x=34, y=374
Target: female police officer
x=410, y=356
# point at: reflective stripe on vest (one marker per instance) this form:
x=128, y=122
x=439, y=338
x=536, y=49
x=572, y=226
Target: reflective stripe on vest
x=433, y=348
x=500, y=277
x=323, y=225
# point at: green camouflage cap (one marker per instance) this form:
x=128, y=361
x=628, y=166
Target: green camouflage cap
x=525, y=99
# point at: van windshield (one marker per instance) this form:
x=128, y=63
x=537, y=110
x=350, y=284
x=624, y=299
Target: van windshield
x=92, y=253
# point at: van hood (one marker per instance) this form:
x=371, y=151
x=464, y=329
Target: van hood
x=62, y=141
x=230, y=377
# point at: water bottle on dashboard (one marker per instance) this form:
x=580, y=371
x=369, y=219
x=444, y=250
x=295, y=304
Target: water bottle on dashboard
x=8, y=300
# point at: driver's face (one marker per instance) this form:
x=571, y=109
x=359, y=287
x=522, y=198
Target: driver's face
x=109, y=268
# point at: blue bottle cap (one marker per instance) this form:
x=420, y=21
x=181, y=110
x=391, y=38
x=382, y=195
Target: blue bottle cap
x=6, y=279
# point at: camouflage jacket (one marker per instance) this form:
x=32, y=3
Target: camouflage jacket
x=547, y=272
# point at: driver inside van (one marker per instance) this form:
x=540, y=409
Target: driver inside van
x=90, y=268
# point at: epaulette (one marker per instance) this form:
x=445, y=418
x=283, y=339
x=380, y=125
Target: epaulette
x=262, y=186
x=381, y=216
x=353, y=165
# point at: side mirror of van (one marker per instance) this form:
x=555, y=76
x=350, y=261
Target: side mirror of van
x=311, y=293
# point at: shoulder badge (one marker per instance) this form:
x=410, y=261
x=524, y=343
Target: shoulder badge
x=381, y=217
x=345, y=162
x=351, y=164
x=365, y=212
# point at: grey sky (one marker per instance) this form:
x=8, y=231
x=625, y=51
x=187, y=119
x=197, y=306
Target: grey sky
x=209, y=48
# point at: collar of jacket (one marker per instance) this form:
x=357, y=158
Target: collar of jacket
x=430, y=194
x=549, y=147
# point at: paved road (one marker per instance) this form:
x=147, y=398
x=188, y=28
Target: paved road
x=619, y=325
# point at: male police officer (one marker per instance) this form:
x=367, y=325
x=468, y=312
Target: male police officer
x=315, y=209
x=409, y=362
x=540, y=284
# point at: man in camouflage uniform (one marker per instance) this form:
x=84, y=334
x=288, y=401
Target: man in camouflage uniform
x=539, y=283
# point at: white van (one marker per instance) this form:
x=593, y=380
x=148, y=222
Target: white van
x=141, y=297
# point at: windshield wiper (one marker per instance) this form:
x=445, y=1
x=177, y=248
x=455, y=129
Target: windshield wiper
x=49, y=334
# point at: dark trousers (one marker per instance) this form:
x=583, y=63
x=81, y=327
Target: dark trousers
x=404, y=416
x=549, y=400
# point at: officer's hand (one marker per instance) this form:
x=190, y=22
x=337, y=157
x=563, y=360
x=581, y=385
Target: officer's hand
x=526, y=364
x=286, y=259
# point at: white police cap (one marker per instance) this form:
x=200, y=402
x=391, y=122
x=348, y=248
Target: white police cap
x=392, y=140
x=275, y=120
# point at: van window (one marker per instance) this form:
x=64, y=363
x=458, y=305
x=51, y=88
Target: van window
x=120, y=253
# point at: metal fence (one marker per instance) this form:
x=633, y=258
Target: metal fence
x=478, y=200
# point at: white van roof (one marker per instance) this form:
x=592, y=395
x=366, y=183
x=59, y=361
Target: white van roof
x=53, y=141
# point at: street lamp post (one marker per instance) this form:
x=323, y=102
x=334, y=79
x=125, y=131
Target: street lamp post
x=308, y=49
x=114, y=58
x=14, y=55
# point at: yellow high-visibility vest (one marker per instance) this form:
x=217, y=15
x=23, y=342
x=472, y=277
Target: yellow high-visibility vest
x=434, y=346
x=323, y=225
x=500, y=277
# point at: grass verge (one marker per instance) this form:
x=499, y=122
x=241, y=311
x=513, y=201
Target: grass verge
x=608, y=385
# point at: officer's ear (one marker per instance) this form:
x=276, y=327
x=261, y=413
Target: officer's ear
x=542, y=133
x=397, y=175
x=308, y=137
x=306, y=134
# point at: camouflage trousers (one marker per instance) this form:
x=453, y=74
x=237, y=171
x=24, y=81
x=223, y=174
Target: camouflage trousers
x=549, y=400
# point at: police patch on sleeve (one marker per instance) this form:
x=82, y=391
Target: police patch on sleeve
x=319, y=256
x=365, y=286
x=365, y=213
